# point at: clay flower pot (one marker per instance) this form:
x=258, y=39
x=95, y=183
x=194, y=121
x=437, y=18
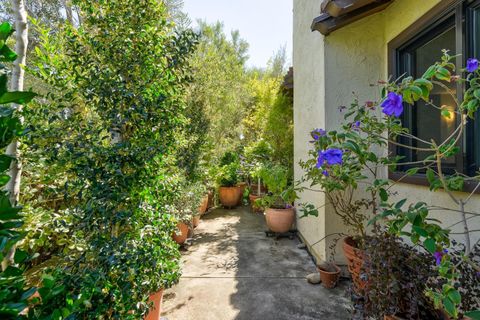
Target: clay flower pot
x=181, y=235
x=355, y=259
x=280, y=220
x=203, y=206
x=196, y=221
x=255, y=207
x=229, y=196
x=329, y=278
x=155, y=312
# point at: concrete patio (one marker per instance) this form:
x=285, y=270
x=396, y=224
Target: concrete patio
x=233, y=271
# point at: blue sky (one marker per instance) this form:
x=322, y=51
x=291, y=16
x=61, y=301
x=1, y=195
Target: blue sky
x=265, y=24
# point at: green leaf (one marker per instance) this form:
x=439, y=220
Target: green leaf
x=475, y=315
x=455, y=296
x=431, y=245
x=400, y=203
x=446, y=113
x=422, y=232
x=20, y=97
x=430, y=72
x=431, y=176
x=449, y=307
x=423, y=83
x=416, y=92
x=383, y=194
x=5, y=30
x=443, y=74
x=6, y=54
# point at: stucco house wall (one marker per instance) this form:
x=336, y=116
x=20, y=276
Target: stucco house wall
x=328, y=72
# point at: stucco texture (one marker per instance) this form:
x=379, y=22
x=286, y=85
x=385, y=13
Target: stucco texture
x=330, y=72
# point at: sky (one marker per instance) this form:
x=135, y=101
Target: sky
x=265, y=24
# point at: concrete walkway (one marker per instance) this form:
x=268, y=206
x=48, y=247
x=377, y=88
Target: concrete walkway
x=233, y=271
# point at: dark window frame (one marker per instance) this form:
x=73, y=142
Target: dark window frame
x=460, y=13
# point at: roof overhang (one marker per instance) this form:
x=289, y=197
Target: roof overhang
x=339, y=13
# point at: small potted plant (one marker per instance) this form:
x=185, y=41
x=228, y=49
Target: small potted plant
x=189, y=197
x=329, y=274
x=279, y=212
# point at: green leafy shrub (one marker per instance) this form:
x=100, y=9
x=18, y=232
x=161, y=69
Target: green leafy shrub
x=117, y=108
x=282, y=193
x=227, y=175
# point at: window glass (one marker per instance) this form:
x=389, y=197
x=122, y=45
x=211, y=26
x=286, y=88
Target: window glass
x=428, y=120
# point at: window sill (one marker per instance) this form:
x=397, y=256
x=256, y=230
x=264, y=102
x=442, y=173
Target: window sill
x=421, y=180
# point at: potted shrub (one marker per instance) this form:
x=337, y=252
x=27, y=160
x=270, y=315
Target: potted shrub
x=186, y=204
x=279, y=212
x=229, y=192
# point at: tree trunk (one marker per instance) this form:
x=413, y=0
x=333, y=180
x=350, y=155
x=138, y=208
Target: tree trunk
x=13, y=186
x=67, y=4
x=21, y=27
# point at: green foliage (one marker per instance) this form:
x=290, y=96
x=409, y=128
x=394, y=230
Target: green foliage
x=227, y=175
x=13, y=295
x=219, y=87
x=282, y=193
x=112, y=126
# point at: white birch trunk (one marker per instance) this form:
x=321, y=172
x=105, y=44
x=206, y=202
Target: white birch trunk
x=13, y=186
x=21, y=27
x=67, y=4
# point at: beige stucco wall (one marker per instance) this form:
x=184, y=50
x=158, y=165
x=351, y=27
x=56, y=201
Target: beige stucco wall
x=309, y=105
x=327, y=71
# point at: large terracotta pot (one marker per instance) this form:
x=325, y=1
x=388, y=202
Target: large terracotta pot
x=203, y=206
x=329, y=278
x=280, y=220
x=181, y=235
x=196, y=221
x=155, y=312
x=355, y=259
x=229, y=196
x=255, y=207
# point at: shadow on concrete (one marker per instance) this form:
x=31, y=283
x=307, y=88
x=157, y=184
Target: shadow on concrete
x=234, y=271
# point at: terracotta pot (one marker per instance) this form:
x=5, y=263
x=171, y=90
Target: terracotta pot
x=329, y=279
x=229, y=196
x=280, y=220
x=156, y=310
x=210, y=200
x=254, y=188
x=196, y=221
x=181, y=235
x=255, y=207
x=355, y=259
x=203, y=206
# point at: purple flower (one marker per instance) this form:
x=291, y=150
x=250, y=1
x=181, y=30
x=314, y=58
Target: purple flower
x=356, y=125
x=472, y=65
x=317, y=133
x=330, y=156
x=393, y=104
x=439, y=256
x=325, y=173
